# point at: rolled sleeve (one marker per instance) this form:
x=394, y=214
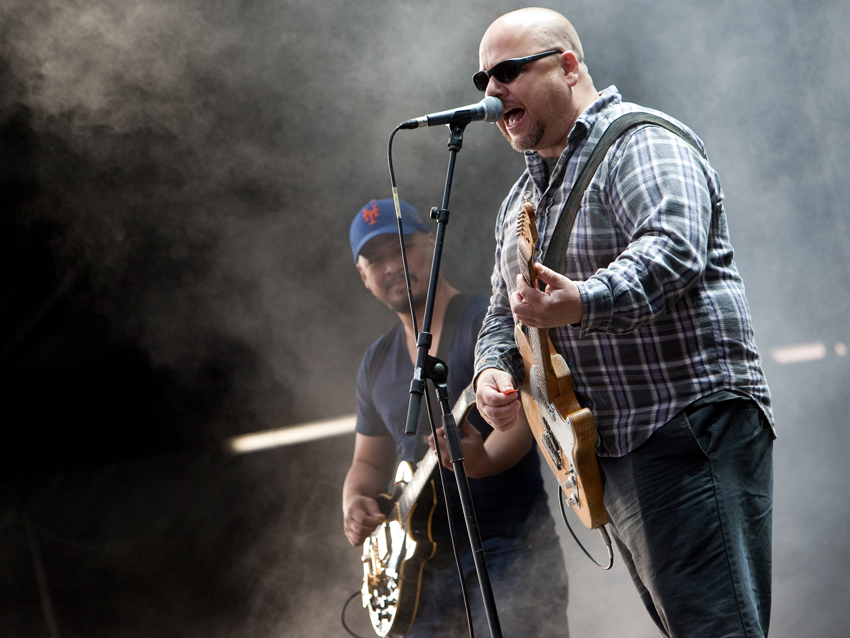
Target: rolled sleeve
x=597, y=306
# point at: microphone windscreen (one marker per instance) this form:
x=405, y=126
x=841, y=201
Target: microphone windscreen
x=493, y=107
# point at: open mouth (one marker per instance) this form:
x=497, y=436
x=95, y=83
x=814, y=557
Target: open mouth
x=513, y=117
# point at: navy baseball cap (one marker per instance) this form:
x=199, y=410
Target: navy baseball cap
x=378, y=218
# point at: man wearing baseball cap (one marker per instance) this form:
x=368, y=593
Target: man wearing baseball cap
x=522, y=552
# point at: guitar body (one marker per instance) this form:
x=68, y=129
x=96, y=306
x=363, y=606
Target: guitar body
x=564, y=431
x=566, y=435
x=395, y=554
x=394, y=558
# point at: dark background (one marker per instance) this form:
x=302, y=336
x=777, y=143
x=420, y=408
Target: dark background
x=176, y=184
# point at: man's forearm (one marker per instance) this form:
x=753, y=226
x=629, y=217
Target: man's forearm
x=362, y=479
x=496, y=348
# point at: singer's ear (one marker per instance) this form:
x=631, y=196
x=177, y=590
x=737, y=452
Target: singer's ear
x=362, y=274
x=571, y=67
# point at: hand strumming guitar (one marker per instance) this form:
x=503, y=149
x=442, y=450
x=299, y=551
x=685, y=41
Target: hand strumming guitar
x=362, y=515
x=497, y=400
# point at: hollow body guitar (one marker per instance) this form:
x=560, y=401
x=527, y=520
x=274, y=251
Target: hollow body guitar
x=564, y=431
x=394, y=555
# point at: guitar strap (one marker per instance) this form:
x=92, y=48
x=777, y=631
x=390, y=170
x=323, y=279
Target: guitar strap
x=556, y=254
x=457, y=305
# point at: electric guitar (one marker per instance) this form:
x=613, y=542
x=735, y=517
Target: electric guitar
x=564, y=431
x=395, y=554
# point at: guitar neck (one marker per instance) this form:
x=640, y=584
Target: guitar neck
x=426, y=466
x=414, y=487
x=537, y=337
x=542, y=364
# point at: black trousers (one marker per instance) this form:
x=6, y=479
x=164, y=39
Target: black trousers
x=691, y=514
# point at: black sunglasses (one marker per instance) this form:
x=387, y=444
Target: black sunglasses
x=506, y=70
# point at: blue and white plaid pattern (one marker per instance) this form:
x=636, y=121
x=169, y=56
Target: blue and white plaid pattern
x=665, y=318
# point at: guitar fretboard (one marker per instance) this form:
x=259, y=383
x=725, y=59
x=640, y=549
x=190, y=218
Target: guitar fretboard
x=414, y=488
x=536, y=340
x=426, y=466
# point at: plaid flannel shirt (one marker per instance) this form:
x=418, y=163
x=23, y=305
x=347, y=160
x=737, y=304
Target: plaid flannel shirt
x=665, y=318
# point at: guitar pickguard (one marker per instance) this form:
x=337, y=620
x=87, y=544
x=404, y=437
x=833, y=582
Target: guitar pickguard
x=393, y=560
x=384, y=554
x=559, y=441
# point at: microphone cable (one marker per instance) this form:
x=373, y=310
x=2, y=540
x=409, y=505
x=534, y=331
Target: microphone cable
x=342, y=615
x=442, y=470
x=400, y=228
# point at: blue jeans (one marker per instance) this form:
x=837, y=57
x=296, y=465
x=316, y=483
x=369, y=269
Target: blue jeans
x=529, y=585
x=691, y=514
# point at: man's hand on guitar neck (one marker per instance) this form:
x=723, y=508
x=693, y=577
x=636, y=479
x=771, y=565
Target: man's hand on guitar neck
x=497, y=399
x=482, y=458
x=558, y=305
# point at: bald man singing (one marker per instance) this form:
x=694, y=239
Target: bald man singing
x=650, y=314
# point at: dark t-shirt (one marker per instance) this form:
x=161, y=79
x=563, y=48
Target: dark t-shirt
x=503, y=502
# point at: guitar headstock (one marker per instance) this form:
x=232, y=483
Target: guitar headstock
x=527, y=237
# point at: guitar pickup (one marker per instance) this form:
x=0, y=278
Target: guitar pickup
x=551, y=445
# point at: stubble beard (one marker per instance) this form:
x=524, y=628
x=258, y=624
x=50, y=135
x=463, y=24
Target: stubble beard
x=402, y=303
x=527, y=142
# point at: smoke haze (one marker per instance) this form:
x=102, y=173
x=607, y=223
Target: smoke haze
x=178, y=179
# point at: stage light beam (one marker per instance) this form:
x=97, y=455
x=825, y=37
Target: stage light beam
x=291, y=435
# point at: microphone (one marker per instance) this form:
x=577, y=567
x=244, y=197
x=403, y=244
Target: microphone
x=489, y=109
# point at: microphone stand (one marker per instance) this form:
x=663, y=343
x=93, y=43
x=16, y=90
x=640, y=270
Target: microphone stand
x=428, y=367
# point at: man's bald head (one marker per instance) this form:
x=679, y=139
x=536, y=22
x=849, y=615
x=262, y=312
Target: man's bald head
x=545, y=97
x=542, y=29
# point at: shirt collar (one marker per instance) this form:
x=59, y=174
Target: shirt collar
x=589, y=117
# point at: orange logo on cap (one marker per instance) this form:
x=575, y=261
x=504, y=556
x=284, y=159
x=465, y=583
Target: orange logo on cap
x=371, y=214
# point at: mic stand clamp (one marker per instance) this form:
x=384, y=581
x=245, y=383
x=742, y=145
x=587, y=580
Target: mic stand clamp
x=428, y=367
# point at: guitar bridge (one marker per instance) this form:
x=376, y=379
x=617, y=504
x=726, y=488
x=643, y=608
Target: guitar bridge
x=551, y=445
